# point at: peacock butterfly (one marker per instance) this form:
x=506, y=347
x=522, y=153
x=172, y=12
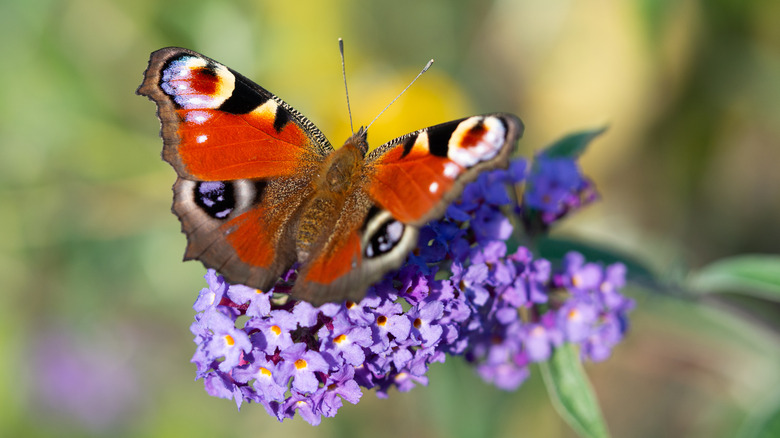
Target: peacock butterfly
x=260, y=189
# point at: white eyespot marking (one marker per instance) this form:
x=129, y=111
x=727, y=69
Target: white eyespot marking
x=421, y=144
x=245, y=192
x=395, y=230
x=434, y=187
x=471, y=143
x=202, y=138
x=195, y=83
x=452, y=170
x=197, y=117
x=393, y=233
x=196, y=102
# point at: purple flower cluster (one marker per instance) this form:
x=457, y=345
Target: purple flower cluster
x=462, y=292
x=556, y=187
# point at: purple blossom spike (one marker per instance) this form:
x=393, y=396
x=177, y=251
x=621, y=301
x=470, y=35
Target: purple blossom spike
x=550, y=183
x=555, y=187
x=462, y=292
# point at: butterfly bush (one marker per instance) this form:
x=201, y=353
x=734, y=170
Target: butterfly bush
x=464, y=291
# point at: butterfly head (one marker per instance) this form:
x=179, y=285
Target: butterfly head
x=359, y=141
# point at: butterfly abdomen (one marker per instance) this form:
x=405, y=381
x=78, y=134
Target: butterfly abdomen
x=318, y=216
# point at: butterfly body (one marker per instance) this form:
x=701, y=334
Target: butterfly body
x=260, y=189
x=336, y=198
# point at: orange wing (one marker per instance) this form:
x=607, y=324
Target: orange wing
x=218, y=125
x=244, y=158
x=416, y=176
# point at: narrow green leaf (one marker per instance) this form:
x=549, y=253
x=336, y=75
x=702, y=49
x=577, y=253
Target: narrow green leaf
x=754, y=275
x=571, y=393
x=573, y=145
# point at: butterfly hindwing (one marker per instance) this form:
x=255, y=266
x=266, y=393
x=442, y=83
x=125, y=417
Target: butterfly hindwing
x=241, y=228
x=364, y=245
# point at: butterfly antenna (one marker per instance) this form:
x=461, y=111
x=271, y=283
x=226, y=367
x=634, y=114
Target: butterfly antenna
x=427, y=66
x=346, y=90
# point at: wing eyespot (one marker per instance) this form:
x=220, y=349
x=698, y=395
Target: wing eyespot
x=385, y=238
x=223, y=199
x=216, y=198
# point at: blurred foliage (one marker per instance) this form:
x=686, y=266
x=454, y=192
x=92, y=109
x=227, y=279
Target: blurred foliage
x=90, y=256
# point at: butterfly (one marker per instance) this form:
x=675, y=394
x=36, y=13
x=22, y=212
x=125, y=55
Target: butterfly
x=260, y=189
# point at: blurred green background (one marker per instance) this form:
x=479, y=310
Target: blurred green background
x=96, y=303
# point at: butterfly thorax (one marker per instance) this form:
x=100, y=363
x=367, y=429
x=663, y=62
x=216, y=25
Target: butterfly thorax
x=338, y=178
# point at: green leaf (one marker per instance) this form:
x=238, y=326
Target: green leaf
x=764, y=422
x=573, y=145
x=571, y=393
x=754, y=275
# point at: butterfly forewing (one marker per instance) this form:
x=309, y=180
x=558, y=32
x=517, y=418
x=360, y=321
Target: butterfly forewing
x=219, y=125
x=417, y=175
